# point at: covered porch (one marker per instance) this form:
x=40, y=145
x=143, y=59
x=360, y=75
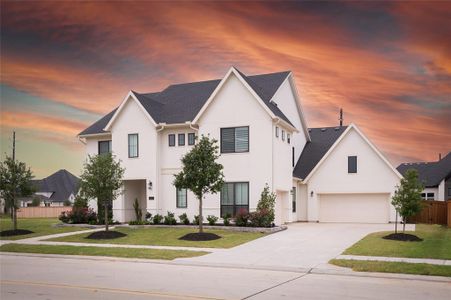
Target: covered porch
x=123, y=210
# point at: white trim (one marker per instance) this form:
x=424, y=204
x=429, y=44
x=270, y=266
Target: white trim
x=218, y=88
x=94, y=135
x=351, y=126
x=116, y=113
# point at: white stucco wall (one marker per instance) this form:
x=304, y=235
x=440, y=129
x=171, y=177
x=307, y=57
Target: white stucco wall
x=373, y=174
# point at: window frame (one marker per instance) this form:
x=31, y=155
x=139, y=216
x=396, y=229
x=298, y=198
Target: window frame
x=277, y=131
x=169, y=139
x=430, y=196
x=283, y=135
x=178, y=139
x=109, y=146
x=234, y=140
x=193, y=135
x=177, y=198
x=234, y=205
x=137, y=145
x=350, y=169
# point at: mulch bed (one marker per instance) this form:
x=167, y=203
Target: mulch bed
x=15, y=232
x=105, y=235
x=197, y=236
x=404, y=237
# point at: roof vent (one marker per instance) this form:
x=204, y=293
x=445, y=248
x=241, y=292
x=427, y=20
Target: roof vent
x=337, y=128
x=323, y=129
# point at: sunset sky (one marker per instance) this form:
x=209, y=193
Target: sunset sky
x=65, y=64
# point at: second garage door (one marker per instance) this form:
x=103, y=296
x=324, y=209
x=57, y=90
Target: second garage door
x=354, y=208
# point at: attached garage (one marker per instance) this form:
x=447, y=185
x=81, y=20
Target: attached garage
x=354, y=208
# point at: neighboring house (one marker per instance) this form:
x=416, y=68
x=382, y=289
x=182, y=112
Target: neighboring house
x=55, y=189
x=436, y=177
x=263, y=138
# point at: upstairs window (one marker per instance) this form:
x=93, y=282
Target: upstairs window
x=292, y=156
x=235, y=139
x=104, y=147
x=277, y=131
x=352, y=164
x=288, y=138
x=283, y=135
x=191, y=139
x=181, y=198
x=181, y=139
x=133, y=145
x=171, y=140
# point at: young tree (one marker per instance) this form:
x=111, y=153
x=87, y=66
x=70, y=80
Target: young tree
x=407, y=198
x=201, y=173
x=102, y=179
x=15, y=181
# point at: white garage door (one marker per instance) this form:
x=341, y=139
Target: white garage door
x=354, y=208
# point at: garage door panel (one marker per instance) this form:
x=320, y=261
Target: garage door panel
x=354, y=208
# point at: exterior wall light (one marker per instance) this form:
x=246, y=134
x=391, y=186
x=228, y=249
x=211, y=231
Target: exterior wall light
x=311, y=194
x=150, y=185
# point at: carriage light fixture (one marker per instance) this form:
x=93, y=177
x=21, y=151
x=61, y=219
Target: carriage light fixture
x=150, y=185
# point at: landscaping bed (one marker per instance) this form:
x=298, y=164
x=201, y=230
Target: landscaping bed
x=210, y=227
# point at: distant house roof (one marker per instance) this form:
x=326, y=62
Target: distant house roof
x=322, y=140
x=179, y=103
x=430, y=173
x=60, y=184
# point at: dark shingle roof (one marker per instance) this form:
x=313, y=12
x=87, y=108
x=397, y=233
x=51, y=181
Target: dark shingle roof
x=61, y=184
x=179, y=103
x=430, y=173
x=321, y=141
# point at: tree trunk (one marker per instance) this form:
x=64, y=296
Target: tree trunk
x=396, y=223
x=106, y=215
x=403, y=225
x=14, y=218
x=201, y=226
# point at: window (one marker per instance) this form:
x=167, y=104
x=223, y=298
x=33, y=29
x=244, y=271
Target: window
x=293, y=199
x=423, y=196
x=171, y=139
x=283, y=135
x=235, y=139
x=104, y=147
x=181, y=139
x=352, y=164
x=191, y=138
x=133, y=145
x=430, y=196
x=234, y=197
x=288, y=138
x=182, y=201
x=292, y=156
x=277, y=131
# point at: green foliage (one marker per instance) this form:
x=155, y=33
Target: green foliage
x=407, y=198
x=242, y=218
x=267, y=203
x=226, y=219
x=169, y=219
x=138, y=211
x=184, y=219
x=79, y=216
x=261, y=218
x=15, y=181
x=80, y=201
x=212, y=219
x=201, y=173
x=157, y=219
x=67, y=202
x=36, y=201
x=148, y=216
x=102, y=180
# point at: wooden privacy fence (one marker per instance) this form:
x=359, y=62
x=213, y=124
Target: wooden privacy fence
x=434, y=212
x=41, y=212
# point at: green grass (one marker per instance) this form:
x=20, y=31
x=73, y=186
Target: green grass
x=436, y=244
x=168, y=237
x=40, y=227
x=393, y=267
x=101, y=251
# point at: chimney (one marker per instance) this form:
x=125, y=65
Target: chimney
x=439, y=157
x=341, y=117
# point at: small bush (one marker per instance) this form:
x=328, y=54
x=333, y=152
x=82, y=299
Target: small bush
x=138, y=223
x=267, y=203
x=35, y=202
x=79, y=216
x=226, y=219
x=80, y=202
x=212, y=219
x=242, y=218
x=184, y=219
x=260, y=218
x=148, y=216
x=196, y=220
x=169, y=219
x=157, y=219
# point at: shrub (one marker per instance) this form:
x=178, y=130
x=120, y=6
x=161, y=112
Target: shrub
x=148, y=216
x=79, y=216
x=67, y=202
x=226, y=219
x=212, y=219
x=196, y=220
x=138, y=211
x=80, y=202
x=260, y=218
x=157, y=219
x=169, y=219
x=267, y=202
x=35, y=202
x=184, y=219
x=138, y=223
x=242, y=218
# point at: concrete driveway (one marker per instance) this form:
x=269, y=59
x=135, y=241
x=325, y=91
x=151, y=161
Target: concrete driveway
x=302, y=245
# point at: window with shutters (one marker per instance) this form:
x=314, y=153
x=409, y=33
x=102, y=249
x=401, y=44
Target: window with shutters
x=234, y=198
x=235, y=139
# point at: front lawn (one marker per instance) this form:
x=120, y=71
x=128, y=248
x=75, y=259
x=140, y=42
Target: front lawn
x=436, y=244
x=168, y=237
x=40, y=227
x=101, y=251
x=393, y=267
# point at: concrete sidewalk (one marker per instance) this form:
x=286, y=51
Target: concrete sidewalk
x=440, y=262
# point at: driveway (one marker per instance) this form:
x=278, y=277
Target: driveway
x=302, y=245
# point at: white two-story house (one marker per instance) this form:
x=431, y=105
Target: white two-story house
x=329, y=174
